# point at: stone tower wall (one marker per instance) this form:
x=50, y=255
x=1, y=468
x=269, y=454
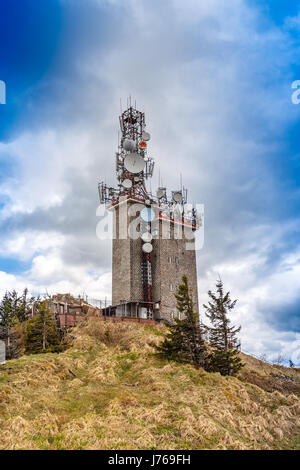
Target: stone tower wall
x=170, y=260
x=126, y=261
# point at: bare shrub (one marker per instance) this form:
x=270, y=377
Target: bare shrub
x=280, y=359
x=263, y=357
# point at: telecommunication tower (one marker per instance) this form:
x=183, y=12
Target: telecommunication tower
x=151, y=232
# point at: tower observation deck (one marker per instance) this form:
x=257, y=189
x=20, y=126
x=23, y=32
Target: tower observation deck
x=153, y=234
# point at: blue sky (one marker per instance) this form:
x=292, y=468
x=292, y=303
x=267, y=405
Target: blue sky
x=214, y=79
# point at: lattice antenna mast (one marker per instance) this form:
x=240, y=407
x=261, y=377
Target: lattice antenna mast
x=133, y=167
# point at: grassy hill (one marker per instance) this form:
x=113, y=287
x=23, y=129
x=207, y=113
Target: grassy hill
x=109, y=391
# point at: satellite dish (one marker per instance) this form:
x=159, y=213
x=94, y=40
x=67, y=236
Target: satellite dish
x=161, y=192
x=136, y=179
x=147, y=214
x=134, y=163
x=145, y=136
x=146, y=237
x=147, y=202
x=177, y=196
x=147, y=247
x=129, y=145
x=127, y=183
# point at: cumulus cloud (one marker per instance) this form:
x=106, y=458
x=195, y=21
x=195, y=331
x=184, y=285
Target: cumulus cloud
x=215, y=88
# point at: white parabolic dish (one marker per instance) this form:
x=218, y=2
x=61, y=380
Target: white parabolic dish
x=127, y=183
x=177, y=197
x=129, y=145
x=146, y=136
x=147, y=214
x=147, y=247
x=160, y=193
x=146, y=237
x=134, y=163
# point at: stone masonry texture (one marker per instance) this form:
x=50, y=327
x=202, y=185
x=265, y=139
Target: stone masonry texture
x=170, y=260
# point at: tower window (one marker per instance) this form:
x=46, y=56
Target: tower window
x=170, y=259
x=171, y=287
x=176, y=260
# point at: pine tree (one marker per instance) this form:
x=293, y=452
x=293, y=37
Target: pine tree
x=13, y=312
x=185, y=341
x=222, y=337
x=42, y=333
x=22, y=304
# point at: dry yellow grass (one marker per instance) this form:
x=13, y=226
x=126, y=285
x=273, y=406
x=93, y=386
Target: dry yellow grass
x=109, y=391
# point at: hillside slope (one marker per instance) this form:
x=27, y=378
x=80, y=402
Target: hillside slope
x=109, y=391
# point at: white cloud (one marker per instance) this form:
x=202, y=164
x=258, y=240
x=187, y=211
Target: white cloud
x=23, y=246
x=62, y=281
x=42, y=161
